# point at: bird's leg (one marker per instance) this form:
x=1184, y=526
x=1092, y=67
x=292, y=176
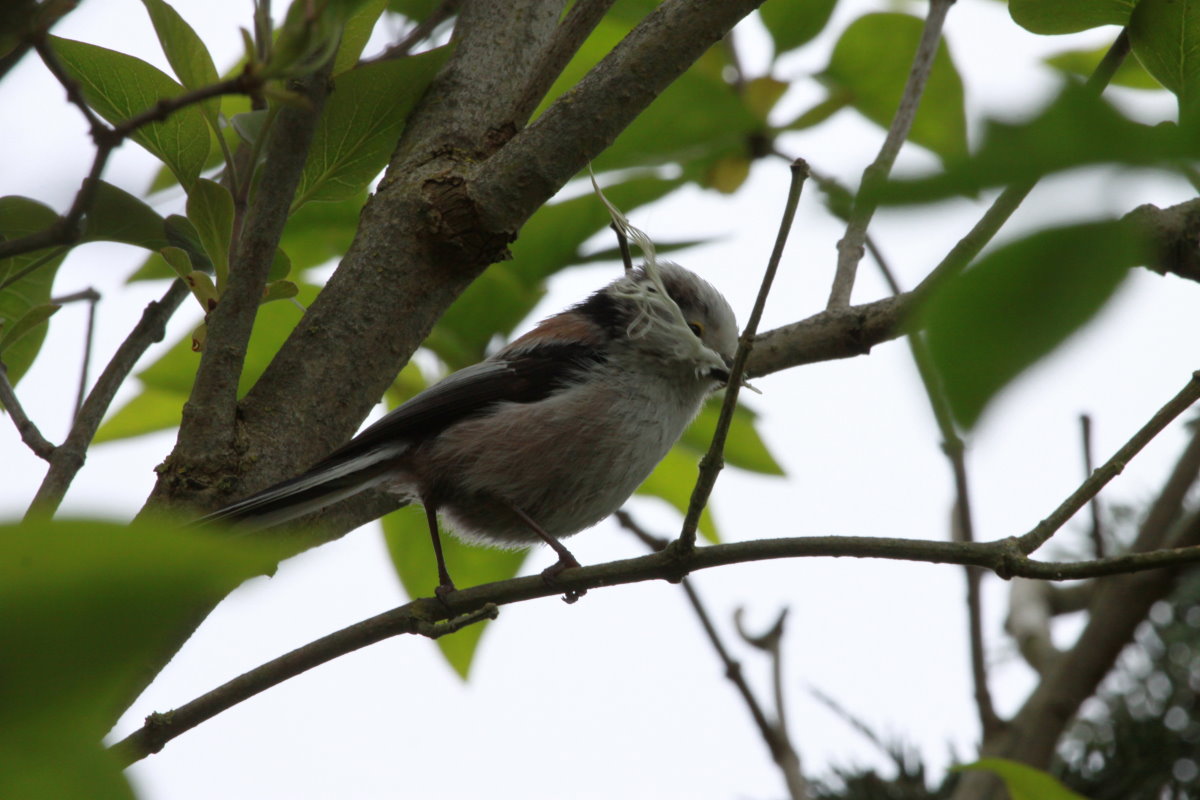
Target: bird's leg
x=565, y=559
x=445, y=584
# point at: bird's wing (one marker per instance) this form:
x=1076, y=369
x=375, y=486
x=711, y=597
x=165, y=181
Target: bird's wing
x=521, y=377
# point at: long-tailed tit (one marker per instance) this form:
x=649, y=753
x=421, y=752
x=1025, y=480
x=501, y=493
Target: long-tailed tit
x=546, y=437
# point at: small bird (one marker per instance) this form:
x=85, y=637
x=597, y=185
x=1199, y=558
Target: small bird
x=544, y=438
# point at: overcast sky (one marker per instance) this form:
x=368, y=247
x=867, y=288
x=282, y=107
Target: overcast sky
x=619, y=693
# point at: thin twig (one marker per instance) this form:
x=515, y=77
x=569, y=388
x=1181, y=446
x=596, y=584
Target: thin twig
x=67, y=230
x=421, y=31
x=162, y=728
x=850, y=248
x=963, y=526
x=30, y=434
x=774, y=733
x=68, y=458
x=713, y=461
x=1097, y=531
x=623, y=245
x=1035, y=538
x=669, y=564
x=92, y=297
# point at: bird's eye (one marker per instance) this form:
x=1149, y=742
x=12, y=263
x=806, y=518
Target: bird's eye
x=696, y=328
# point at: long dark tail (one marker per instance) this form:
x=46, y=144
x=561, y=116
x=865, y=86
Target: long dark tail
x=323, y=485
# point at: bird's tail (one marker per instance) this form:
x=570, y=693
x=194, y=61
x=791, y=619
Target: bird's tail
x=320, y=487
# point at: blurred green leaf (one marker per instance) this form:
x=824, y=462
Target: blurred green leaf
x=319, y=232
x=744, y=448
x=697, y=119
x=355, y=34
x=1082, y=63
x=835, y=102
x=86, y=604
x=1076, y=129
x=408, y=542
x=167, y=382
x=186, y=53
x=507, y=291
x=1068, y=16
x=20, y=216
x=210, y=210
x=1165, y=37
x=120, y=86
x=118, y=216
x=415, y=10
x=1017, y=304
x=871, y=62
x=1023, y=781
x=792, y=23
x=29, y=322
x=279, y=290
x=361, y=123
x=673, y=480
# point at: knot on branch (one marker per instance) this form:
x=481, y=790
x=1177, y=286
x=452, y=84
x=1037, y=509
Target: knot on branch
x=455, y=225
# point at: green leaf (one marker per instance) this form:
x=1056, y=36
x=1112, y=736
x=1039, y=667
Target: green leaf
x=1068, y=16
x=792, y=23
x=319, y=232
x=506, y=292
x=355, y=34
x=415, y=10
x=1017, y=304
x=673, y=480
x=20, y=216
x=167, y=382
x=29, y=322
x=118, y=216
x=1082, y=63
x=1165, y=36
x=279, y=290
x=186, y=53
x=408, y=542
x=1076, y=129
x=84, y=600
x=1023, y=781
x=210, y=210
x=86, y=605
x=744, y=448
x=361, y=123
x=695, y=120
x=871, y=62
x=120, y=86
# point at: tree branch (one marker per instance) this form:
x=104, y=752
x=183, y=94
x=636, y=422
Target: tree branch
x=714, y=460
x=1000, y=556
x=162, y=728
x=208, y=424
x=68, y=458
x=774, y=734
x=30, y=435
x=1035, y=538
x=850, y=248
x=568, y=37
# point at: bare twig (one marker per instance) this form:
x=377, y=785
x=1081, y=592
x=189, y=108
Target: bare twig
x=162, y=728
x=444, y=11
x=623, y=245
x=92, y=297
x=774, y=734
x=1035, y=538
x=1097, y=531
x=67, y=230
x=962, y=524
x=30, y=434
x=668, y=564
x=713, y=461
x=850, y=248
x=68, y=458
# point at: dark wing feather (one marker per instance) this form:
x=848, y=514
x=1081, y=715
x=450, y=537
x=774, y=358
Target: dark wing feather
x=522, y=377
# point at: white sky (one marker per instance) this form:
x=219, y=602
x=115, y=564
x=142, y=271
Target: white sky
x=620, y=693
